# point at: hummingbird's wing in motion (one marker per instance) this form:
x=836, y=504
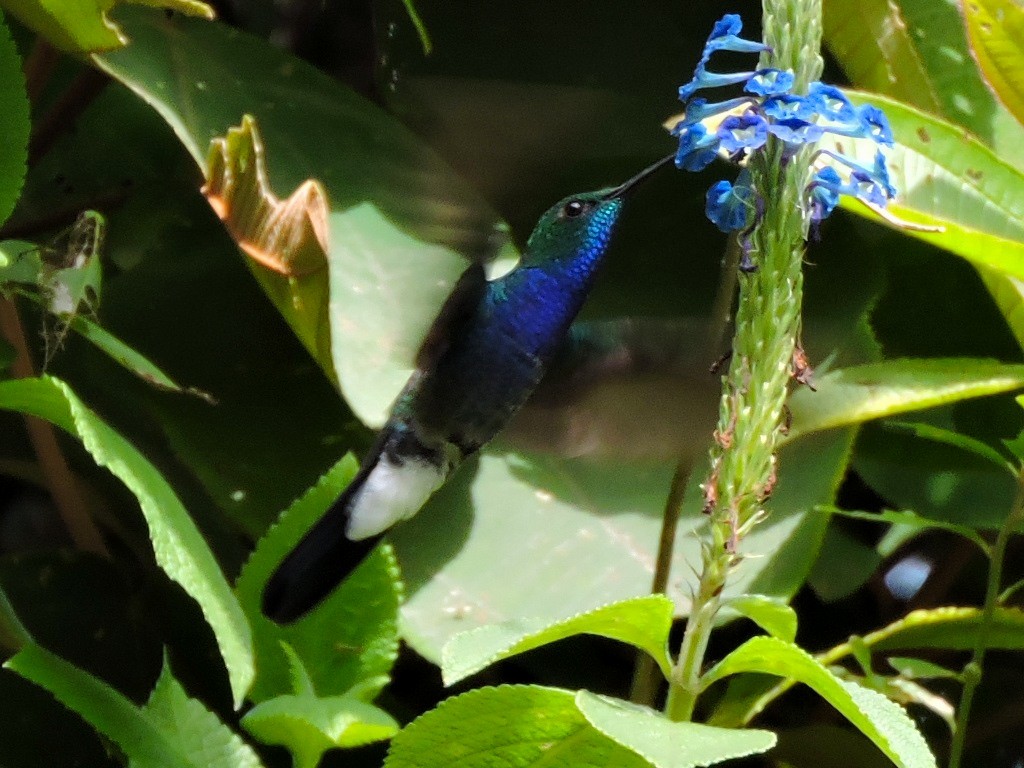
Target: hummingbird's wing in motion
x=634, y=388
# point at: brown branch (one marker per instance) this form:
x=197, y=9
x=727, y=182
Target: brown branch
x=74, y=100
x=59, y=479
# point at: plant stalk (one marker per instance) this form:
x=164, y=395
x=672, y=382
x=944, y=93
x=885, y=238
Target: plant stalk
x=973, y=669
x=767, y=325
x=59, y=479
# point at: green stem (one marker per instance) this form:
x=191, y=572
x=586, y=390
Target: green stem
x=767, y=323
x=973, y=669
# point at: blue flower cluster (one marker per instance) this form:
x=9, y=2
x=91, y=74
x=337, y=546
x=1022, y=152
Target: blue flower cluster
x=770, y=109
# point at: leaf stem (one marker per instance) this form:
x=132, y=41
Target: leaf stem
x=646, y=675
x=972, y=671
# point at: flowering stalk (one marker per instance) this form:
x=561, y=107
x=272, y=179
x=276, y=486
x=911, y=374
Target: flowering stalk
x=773, y=210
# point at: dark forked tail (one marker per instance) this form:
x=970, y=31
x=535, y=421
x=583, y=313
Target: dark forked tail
x=396, y=479
x=319, y=562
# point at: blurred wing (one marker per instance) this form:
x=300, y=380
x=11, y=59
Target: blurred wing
x=628, y=389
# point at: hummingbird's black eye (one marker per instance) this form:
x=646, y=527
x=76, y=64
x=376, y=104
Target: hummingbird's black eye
x=573, y=208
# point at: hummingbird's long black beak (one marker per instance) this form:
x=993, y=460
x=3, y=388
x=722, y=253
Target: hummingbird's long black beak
x=627, y=186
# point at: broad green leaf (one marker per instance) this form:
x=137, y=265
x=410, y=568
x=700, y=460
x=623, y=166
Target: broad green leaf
x=771, y=614
x=178, y=545
x=995, y=29
x=592, y=525
x=198, y=733
x=512, y=726
x=917, y=51
x=309, y=725
x=947, y=178
x=882, y=721
x=82, y=26
x=875, y=390
x=14, y=124
x=643, y=622
x=352, y=637
x=666, y=744
x=877, y=51
x=401, y=223
x=143, y=735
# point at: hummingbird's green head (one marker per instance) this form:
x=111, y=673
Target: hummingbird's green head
x=581, y=225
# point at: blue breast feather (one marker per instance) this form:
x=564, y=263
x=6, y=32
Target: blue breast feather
x=493, y=366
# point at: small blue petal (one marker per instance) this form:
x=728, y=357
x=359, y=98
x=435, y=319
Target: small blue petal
x=729, y=206
x=787, y=106
x=868, y=188
x=739, y=132
x=769, y=82
x=825, y=188
x=882, y=175
x=704, y=79
x=724, y=37
x=831, y=103
x=699, y=109
x=730, y=24
x=878, y=175
x=697, y=148
x=795, y=131
x=876, y=124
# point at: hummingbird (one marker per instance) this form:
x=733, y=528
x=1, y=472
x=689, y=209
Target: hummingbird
x=482, y=358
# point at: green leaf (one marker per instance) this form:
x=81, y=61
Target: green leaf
x=178, y=545
x=666, y=744
x=919, y=669
x=14, y=123
x=911, y=520
x=82, y=26
x=128, y=357
x=198, y=733
x=148, y=736
x=956, y=439
x=882, y=721
x=948, y=179
x=995, y=29
x=517, y=726
x=352, y=637
x=865, y=392
x=844, y=565
x=595, y=523
x=401, y=223
x=951, y=629
x=643, y=622
x=308, y=725
x=917, y=51
x=771, y=614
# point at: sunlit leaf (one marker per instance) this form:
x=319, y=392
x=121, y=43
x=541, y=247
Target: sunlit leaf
x=771, y=614
x=83, y=26
x=862, y=393
x=178, y=545
x=882, y=721
x=666, y=744
x=309, y=725
x=171, y=731
x=513, y=726
x=643, y=622
x=995, y=29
